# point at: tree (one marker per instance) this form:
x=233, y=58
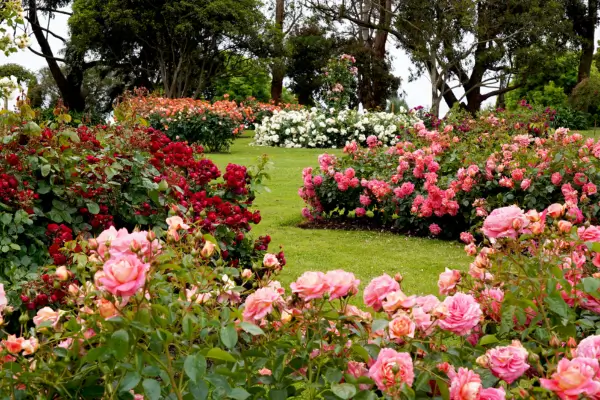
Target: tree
x=584, y=16
x=466, y=44
x=249, y=79
x=179, y=46
x=310, y=47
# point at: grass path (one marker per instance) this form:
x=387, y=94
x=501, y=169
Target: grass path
x=367, y=254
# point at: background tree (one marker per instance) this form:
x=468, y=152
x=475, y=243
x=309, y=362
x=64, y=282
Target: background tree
x=584, y=17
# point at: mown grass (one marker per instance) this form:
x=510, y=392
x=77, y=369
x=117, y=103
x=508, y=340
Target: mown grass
x=365, y=253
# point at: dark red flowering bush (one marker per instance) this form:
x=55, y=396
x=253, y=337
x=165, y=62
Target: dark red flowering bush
x=57, y=184
x=442, y=182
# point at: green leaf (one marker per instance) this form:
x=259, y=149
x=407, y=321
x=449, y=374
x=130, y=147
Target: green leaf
x=239, y=394
x=45, y=169
x=130, y=380
x=379, y=324
x=119, y=343
x=220, y=354
x=343, y=390
x=6, y=218
x=199, y=390
x=558, y=305
x=488, y=339
x=591, y=285
x=151, y=389
x=195, y=367
x=278, y=394
x=229, y=336
x=333, y=375
x=362, y=352
x=251, y=328
x=93, y=207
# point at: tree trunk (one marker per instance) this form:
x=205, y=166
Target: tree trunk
x=587, y=38
x=277, y=68
x=71, y=95
x=385, y=20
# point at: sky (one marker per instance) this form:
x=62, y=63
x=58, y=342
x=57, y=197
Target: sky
x=417, y=92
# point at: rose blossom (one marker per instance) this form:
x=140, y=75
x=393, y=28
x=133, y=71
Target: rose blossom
x=260, y=303
x=13, y=344
x=589, y=234
x=176, y=223
x=208, y=249
x=270, y=261
x=396, y=300
x=358, y=370
x=589, y=347
x=246, y=273
x=574, y=378
x=504, y=222
x=106, y=308
x=30, y=346
x=464, y=385
x=46, y=314
x=492, y=394
x=401, y=326
x=378, y=289
x=448, y=281
x=564, y=226
x=3, y=299
x=124, y=276
x=508, y=362
x=556, y=210
x=265, y=372
x=391, y=369
x=467, y=237
x=62, y=273
x=341, y=283
x=435, y=229
x=310, y=285
x=461, y=314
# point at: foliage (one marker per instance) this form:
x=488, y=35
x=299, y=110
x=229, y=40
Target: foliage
x=61, y=182
x=586, y=95
x=339, y=83
x=451, y=176
x=137, y=39
x=250, y=80
x=570, y=118
x=11, y=16
x=183, y=327
x=319, y=128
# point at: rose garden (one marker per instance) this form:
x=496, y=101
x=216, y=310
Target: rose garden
x=196, y=249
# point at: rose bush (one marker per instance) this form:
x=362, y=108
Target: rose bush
x=444, y=181
x=58, y=183
x=330, y=128
x=520, y=324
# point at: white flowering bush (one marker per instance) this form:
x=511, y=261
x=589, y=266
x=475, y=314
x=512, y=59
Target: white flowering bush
x=11, y=15
x=330, y=129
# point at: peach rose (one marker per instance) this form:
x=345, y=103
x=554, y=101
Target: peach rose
x=465, y=385
x=3, y=299
x=270, y=261
x=556, y=210
x=208, y=249
x=311, y=285
x=378, y=289
x=106, y=308
x=30, y=346
x=124, y=276
x=448, y=281
x=574, y=378
x=260, y=303
x=391, y=370
x=401, y=326
x=46, y=314
x=247, y=274
x=177, y=223
x=13, y=344
x=341, y=283
x=396, y=300
x=62, y=273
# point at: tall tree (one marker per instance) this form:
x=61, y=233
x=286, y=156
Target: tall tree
x=278, y=66
x=584, y=16
x=467, y=44
x=179, y=45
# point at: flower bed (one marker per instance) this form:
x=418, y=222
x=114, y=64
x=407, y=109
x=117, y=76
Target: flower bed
x=442, y=182
x=317, y=128
x=143, y=318
x=57, y=184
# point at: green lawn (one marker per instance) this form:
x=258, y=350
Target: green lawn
x=367, y=254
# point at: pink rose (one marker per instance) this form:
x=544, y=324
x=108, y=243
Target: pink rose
x=589, y=234
x=30, y=346
x=391, y=369
x=525, y=184
x=247, y=273
x=358, y=370
x=124, y=276
x=574, y=378
x=556, y=210
x=464, y=385
x=122, y=242
x=467, y=237
x=401, y=326
x=435, y=229
x=265, y=372
x=318, y=180
x=461, y=314
x=260, y=303
x=448, y=281
x=353, y=311
x=341, y=283
x=396, y=300
x=509, y=362
x=504, y=222
x=492, y=394
x=3, y=299
x=589, y=347
x=176, y=223
x=208, y=249
x=564, y=226
x=311, y=285
x=378, y=289
x=360, y=212
x=46, y=314
x=13, y=344
x=556, y=178
x=270, y=261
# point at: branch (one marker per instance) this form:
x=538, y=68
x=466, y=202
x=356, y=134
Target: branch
x=51, y=10
x=500, y=91
x=50, y=32
x=37, y=53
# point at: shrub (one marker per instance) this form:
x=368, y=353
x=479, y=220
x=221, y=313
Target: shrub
x=570, y=118
x=57, y=184
x=317, y=128
x=442, y=182
x=521, y=323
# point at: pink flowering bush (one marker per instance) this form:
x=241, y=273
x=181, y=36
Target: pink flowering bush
x=442, y=182
x=155, y=315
